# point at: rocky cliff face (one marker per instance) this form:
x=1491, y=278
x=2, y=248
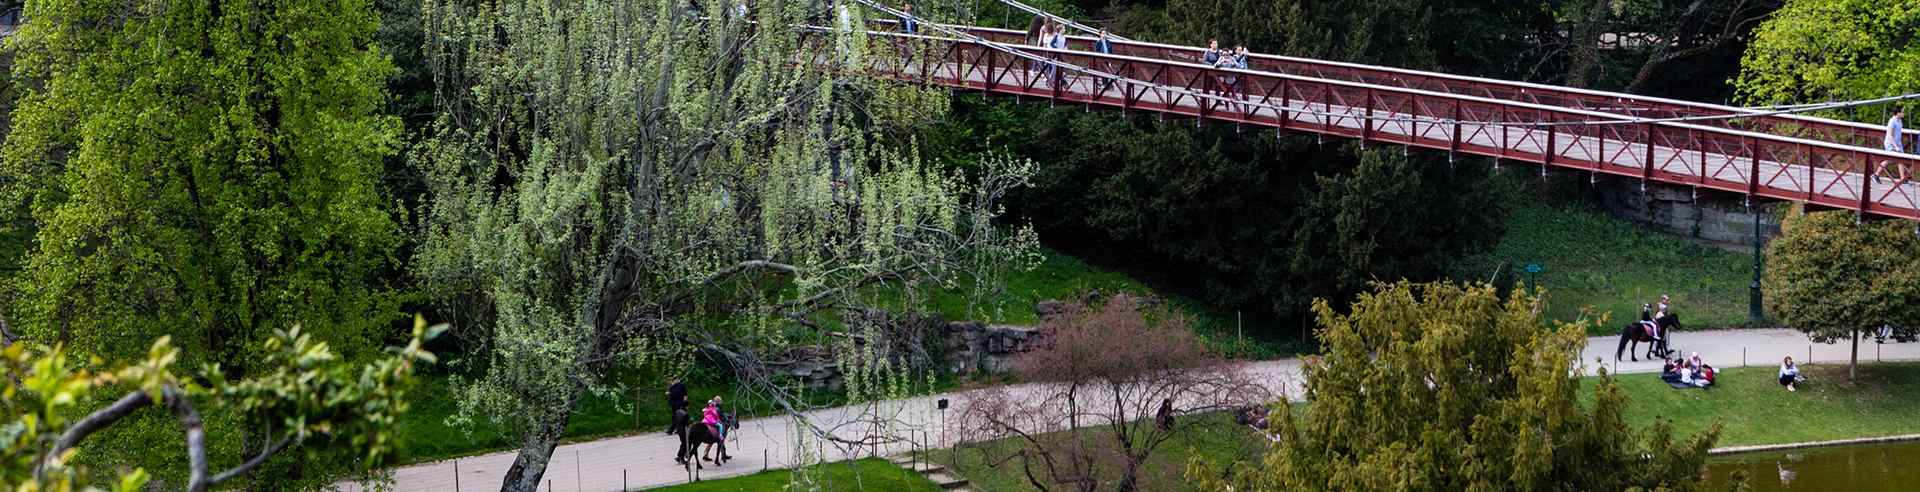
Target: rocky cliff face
x=975, y=347
x=966, y=347
x=1720, y=220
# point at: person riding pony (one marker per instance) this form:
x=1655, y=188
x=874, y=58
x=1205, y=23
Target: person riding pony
x=1647, y=320
x=1652, y=328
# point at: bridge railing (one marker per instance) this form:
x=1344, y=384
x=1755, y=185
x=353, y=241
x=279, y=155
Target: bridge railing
x=1764, y=166
x=1811, y=128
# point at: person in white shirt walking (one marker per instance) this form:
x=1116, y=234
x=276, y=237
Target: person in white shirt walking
x=1892, y=144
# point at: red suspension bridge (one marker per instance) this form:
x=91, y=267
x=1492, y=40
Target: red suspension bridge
x=1823, y=163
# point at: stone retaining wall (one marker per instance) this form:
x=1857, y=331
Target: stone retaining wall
x=1720, y=220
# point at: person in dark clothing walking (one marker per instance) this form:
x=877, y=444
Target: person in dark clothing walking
x=1104, y=46
x=676, y=401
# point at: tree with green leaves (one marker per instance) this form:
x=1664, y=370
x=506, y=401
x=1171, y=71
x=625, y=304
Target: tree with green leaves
x=314, y=400
x=205, y=170
x=1449, y=387
x=1387, y=32
x=1825, y=50
x=615, y=181
x=1835, y=278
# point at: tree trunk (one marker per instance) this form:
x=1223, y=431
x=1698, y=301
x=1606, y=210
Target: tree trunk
x=1073, y=408
x=1586, y=53
x=1129, y=475
x=536, y=450
x=1853, y=372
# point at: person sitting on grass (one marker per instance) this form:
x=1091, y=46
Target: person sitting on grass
x=1696, y=373
x=1790, y=374
x=1670, y=369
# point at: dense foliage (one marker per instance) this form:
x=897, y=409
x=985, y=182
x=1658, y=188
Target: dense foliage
x=203, y=171
x=1249, y=220
x=1836, y=278
x=314, y=401
x=1448, y=387
x=1825, y=50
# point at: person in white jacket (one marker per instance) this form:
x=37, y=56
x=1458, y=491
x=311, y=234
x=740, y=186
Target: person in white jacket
x=1789, y=373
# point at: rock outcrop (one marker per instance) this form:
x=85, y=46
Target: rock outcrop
x=1720, y=220
x=975, y=347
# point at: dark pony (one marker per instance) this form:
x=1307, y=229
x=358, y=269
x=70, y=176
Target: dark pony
x=692, y=435
x=1656, y=349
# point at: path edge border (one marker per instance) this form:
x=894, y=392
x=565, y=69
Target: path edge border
x=1811, y=444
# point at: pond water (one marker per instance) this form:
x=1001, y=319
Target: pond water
x=1865, y=468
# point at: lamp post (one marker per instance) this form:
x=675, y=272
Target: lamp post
x=1753, y=308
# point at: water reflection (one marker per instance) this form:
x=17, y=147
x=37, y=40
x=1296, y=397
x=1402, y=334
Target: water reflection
x=1869, y=468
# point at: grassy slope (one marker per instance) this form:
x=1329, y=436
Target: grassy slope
x=1219, y=440
x=872, y=475
x=1065, y=278
x=1755, y=409
x=1590, y=259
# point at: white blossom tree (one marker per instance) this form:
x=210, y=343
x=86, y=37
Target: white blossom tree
x=613, y=179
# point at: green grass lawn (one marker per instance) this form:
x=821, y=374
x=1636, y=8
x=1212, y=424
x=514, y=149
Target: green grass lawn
x=1757, y=410
x=866, y=475
x=1058, y=277
x=1218, y=439
x=1590, y=259
x=1065, y=278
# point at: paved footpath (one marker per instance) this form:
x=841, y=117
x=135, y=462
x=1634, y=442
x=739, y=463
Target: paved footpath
x=646, y=460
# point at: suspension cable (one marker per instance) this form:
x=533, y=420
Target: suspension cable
x=1059, y=19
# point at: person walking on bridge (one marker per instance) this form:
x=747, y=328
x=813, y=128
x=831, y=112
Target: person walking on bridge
x=1892, y=144
x=1104, y=46
x=908, y=23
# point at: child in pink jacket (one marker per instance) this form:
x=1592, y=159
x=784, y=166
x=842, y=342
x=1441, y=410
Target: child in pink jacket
x=711, y=417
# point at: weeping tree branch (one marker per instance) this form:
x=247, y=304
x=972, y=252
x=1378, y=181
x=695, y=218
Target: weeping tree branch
x=175, y=400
